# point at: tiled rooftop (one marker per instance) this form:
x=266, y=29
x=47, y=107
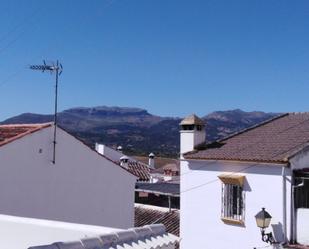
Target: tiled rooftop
x=9, y=133
x=140, y=170
x=147, y=237
x=147, y=214
x=273, y=141
x=159, y=161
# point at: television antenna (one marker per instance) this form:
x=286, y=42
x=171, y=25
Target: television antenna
x=57, y=69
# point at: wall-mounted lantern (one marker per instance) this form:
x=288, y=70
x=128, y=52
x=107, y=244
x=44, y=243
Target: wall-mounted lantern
x=263, y=219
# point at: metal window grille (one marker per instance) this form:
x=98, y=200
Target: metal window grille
x=301, y=193
x=233, y=202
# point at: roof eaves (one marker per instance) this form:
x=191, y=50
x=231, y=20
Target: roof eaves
x=305, y=147
x=156, y=192
x=283, y=162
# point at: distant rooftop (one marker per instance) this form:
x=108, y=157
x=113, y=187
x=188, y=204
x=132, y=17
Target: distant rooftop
x=161, y=188
x=9, y=133
x=148, y=214
x=159, y=161
x=140, y=170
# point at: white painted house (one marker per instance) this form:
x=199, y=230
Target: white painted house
x=226, y=183
x=82, y=186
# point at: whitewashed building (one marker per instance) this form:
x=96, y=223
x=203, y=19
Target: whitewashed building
x=226, y=183
x=82, y=186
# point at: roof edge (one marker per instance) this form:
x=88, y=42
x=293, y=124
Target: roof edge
x=273, y=162
x=93, y=150
x=298, y=151
x=254, y=126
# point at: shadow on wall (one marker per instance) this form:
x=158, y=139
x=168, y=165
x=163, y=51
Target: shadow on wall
x=235, y=167
x=278, y=232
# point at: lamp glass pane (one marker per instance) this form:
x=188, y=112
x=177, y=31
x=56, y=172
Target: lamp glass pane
x=263, y=222
x=267, y=222
x=260, y=223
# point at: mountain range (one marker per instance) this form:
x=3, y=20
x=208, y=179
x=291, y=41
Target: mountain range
x=138, y=131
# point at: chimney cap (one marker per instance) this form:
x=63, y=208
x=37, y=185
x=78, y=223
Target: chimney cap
x=192, y=120
x=151, y=155
x=124, y=158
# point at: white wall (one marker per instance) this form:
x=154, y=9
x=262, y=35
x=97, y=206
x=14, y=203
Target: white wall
x=200, y=223
x=82, y=187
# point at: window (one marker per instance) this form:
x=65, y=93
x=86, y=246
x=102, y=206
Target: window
x=232, y=210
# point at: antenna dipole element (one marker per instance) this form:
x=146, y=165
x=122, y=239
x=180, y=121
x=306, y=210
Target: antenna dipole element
x=57, y=69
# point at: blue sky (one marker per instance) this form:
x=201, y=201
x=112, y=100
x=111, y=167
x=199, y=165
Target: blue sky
x=171, y=57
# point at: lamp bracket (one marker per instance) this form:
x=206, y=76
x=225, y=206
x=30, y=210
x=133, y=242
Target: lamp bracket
x=268, y=237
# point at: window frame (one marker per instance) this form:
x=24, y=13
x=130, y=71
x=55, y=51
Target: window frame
x=233, y=199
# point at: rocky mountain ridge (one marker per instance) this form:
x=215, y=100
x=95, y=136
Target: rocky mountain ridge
x=138, y=131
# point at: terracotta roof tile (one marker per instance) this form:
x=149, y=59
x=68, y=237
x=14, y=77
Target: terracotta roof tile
x=140, y=170
x=9, y=133
x=273, y=141
x=159, y=161
x=147, y=214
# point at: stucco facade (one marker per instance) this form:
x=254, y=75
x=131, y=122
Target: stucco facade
x=82, y=187
x=226, y=183
x=200, y=223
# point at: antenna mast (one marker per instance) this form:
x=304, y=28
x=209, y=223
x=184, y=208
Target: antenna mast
x=57, y=69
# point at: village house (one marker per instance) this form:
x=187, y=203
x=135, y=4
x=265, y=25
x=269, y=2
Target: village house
x=72, y=183
x=140, y=170
x=232, y=189
x=164, y=169
x=158, y=187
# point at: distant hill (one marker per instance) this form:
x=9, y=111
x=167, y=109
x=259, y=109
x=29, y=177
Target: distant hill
x=138, y=131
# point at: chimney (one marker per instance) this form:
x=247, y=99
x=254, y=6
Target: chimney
x=192, y=133
x=99, y=148
x=151, y=160
x=119, y=148
x=124, y=161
